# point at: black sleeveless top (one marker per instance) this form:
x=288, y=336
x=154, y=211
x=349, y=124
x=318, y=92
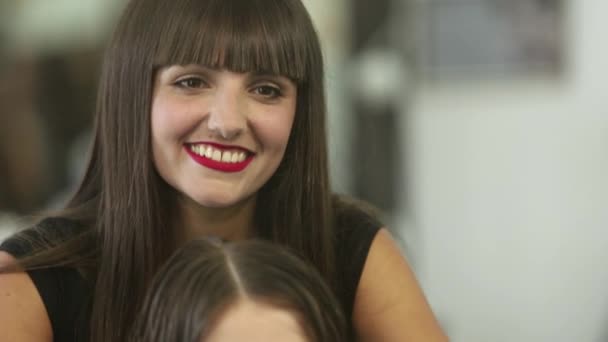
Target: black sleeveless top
x=67, y=295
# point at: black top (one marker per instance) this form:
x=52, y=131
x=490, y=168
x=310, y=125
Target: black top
x=66, y=294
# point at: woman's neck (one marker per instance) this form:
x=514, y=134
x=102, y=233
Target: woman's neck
x=232, y=223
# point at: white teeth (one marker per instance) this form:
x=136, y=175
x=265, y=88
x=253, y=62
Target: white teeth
x=226, y=157
x=219, y=155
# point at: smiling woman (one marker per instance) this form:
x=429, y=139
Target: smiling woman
x=187, y=85
x=245, y=116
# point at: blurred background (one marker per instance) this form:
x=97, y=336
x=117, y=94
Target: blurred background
x=478, y=127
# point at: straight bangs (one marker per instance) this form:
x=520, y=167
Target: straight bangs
x=238, y=35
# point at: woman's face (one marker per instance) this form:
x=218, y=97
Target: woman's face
x=256, y=322
x=217, y=135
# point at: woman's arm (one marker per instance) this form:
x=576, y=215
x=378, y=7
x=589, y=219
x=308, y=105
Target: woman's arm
x=23, y=316
x=389, y=305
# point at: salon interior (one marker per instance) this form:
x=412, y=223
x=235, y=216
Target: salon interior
x=486, y=122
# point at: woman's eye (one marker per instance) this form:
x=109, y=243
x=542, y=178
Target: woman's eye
x=268, y=91
x=190, y=82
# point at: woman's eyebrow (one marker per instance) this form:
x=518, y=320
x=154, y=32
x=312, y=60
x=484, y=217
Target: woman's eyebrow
x=178, y=69
x=282, y=79
x=197, y=67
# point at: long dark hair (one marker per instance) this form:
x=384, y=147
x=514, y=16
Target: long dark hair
x=202, y=279
x=125, y=206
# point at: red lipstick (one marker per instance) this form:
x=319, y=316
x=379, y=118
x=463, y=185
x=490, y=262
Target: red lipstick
x=219, y=165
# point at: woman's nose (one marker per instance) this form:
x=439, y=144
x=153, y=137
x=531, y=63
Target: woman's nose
x=227, y=118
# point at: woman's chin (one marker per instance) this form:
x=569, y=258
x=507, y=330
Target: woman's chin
x=218, y=200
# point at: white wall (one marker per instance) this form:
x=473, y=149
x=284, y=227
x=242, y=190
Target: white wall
x=37, y=26
x=510, y=190
x=331, y=20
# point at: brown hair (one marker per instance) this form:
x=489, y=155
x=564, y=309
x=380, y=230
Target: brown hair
x=202, y=279
x=122, y=199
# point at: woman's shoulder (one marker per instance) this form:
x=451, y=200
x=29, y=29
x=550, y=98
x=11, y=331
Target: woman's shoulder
x=57, y=294
x=23, y=316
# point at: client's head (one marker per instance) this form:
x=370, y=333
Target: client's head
x=238, y=291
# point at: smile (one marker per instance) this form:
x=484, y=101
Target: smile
x=219, y=158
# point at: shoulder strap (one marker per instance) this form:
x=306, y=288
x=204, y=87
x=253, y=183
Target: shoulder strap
x=355, y=232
